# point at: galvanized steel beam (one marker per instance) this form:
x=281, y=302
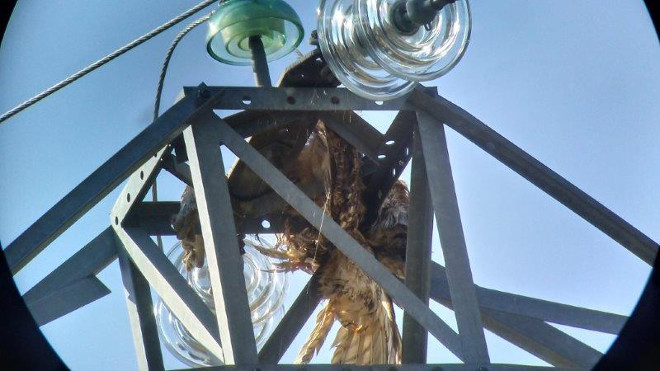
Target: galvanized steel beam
x=137, y=187
x=292, y=322
x=73, y=284
x=454, y=250
x=562, y=314
x=356, y=131
x=96, y=186
x=538, y=174
x=541, y=339
x=298, y=99
x=141, y=315
x=249, y=123
x=88, y=261
x=393, y=156
x=65, y=300
x=154, y=218
x=179, y=169
x=220, y=244
x=168, y=283
x=418, y=253
x=531, y=334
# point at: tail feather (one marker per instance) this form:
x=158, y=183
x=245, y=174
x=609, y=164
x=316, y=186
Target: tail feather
x=377, y=342
x=394, y=337
x=324, y=321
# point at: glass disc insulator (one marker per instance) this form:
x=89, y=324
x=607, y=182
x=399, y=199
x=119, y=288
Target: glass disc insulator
x=349, y=60
x=425, y=54
x=265, y=288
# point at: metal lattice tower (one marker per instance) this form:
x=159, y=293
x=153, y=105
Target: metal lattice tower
x=191, y=131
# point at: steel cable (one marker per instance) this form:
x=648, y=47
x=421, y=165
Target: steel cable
x=104, y=60
x=159, y=92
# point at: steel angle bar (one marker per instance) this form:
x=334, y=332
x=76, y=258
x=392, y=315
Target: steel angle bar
x=541, y=340
x=64, y=300
x=73, y=284
x=179, y=169
x=298, y=99
x=544, y=310
x=170, y=285
x=250, y=123
x=137, y=187
x=538, y=174
x=558, y=313
x=393, y=156
x=418, y=253
x=221, y=244
x=292, y=322
x=154, y=218
x=97, y=185
x=141, y=315
x=405, y=367
x=85, y=263
x=531, y=334
x=454, y=250
x=339, y=237
x=356, y=131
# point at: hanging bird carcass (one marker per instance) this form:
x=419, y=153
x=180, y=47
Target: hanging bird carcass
x=329, y=169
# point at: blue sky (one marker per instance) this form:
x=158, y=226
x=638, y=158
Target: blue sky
x=575, y=84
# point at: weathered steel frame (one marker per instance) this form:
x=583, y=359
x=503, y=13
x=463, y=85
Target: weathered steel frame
x=519, y=319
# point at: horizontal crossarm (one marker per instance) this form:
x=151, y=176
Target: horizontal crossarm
x=297, y=99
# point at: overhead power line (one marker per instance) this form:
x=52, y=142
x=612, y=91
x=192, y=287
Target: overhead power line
x=104, y=60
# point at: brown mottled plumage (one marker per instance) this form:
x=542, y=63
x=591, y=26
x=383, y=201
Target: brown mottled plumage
x=368, y=333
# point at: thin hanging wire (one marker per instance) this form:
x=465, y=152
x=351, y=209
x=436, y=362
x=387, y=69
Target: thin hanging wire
x=166, y=63
x=159, y=92
x=104, y=60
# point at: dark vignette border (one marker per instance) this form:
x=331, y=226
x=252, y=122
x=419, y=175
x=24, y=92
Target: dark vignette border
x=23, y=346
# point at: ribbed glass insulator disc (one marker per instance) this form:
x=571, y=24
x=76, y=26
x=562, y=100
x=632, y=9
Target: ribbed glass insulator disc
x=265, y=287
x=425, y=54
x=348, y=59
x=231, y=27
